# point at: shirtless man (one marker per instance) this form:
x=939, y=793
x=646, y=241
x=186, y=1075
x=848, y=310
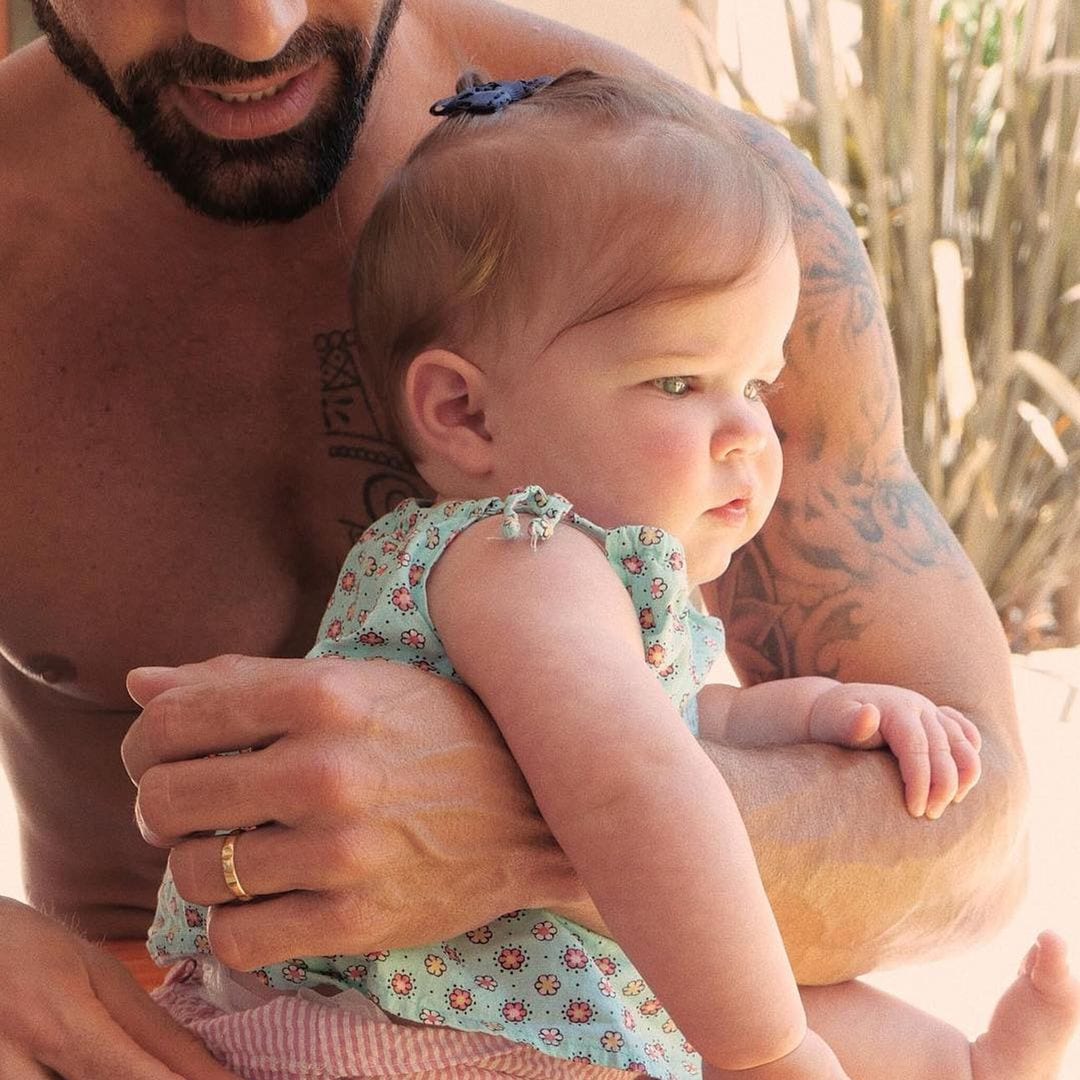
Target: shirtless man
x=189, y=450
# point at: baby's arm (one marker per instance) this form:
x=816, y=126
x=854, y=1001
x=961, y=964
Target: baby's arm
x=936, y=747
x=550, y=643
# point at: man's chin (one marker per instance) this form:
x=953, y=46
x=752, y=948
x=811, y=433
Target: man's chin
x=281, y=175
x=247, y=182
x=246, y=192
x=246, y=201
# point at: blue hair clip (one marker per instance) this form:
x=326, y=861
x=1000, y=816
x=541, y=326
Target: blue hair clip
x=489, y=97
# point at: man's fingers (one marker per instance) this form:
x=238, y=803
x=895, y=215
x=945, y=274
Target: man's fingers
x=249, y=936
x=152, y=1029
x=16, y=1066
x=273, y=859
x=276, y=784
x=186, y=797
x=186, y=722
x=89, y=1045
x=145, y=683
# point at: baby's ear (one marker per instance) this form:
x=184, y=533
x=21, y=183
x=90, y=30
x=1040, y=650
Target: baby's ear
x=444, y=403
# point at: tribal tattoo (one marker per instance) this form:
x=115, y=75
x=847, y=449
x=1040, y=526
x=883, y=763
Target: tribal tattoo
x=803, y=590
x=355, y=431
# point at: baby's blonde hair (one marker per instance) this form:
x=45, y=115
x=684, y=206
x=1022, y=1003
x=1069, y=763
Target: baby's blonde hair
x=596, y=193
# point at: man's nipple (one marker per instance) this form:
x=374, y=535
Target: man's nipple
x=50, y=668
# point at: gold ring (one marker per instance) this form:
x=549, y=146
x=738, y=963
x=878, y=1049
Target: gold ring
x=228, y=867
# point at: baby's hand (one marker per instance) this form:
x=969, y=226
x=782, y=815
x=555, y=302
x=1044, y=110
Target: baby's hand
x=937, y=748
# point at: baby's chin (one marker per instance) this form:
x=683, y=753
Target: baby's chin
x=702, y=570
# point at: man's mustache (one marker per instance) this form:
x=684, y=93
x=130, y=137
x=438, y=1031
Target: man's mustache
x=196, y=62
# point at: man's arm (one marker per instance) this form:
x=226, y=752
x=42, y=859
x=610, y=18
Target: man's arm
x=856, y=576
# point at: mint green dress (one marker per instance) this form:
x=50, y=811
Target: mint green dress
x=530, y=976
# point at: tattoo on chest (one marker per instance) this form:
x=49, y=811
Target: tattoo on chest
x=356, y=431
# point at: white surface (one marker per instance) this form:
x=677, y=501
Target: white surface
x=963, y=989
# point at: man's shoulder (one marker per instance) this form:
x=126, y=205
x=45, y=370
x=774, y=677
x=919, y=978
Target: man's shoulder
x=35, y=98
x=40, y=109
x=505, y=40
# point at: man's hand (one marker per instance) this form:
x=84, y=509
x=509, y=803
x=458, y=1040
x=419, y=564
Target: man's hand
x=936, y=747
x=72, y=1011
x=389, y=811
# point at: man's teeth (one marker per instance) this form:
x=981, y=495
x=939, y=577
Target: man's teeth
x=238, y=99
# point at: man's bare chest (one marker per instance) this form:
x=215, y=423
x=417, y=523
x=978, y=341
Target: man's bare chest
x=181, y=488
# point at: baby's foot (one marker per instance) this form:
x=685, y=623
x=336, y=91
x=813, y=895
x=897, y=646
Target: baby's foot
x=1034, y=1020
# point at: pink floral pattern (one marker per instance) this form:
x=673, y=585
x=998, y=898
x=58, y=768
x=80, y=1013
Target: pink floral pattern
x=515, y=1012
x=512, y=959
x=579, y=1012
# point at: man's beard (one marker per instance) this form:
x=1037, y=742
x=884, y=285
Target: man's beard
x=258, y=181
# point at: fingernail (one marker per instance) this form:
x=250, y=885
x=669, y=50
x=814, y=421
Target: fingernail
x=151, y=671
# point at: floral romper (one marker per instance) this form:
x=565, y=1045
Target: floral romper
x=529, y=976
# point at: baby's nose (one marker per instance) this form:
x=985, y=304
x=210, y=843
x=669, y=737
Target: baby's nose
x=741, y=430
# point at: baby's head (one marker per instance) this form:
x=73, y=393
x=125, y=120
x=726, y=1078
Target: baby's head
x=533, y=286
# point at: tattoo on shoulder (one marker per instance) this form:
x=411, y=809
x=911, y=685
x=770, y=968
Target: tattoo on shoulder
x=356, y=431
x=840, y=311
x=803, y=590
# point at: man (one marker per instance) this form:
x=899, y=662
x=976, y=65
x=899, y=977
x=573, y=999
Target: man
x=190, y=448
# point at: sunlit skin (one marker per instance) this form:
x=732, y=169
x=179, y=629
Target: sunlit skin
x=663, y=412
x=190, y=453
x=657, y=414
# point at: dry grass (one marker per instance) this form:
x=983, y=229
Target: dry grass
x=955, y=141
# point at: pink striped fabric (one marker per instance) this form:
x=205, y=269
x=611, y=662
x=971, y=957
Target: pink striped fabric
x=288, y=1037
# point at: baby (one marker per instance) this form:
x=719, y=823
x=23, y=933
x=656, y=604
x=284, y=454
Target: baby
x=584, y=286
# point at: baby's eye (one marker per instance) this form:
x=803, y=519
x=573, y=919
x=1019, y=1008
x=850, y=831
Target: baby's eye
x=673, y=385
x=759, y=389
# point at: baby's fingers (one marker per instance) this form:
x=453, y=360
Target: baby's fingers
x=965, y=741
x=944, y=774
x=907, y=739
x=969, y=730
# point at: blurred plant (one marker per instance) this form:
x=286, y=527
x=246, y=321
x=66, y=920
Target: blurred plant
x=953, y=135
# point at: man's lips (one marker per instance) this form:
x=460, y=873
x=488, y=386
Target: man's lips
x=254, y=109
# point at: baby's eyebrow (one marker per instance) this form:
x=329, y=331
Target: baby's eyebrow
x=666, y=357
